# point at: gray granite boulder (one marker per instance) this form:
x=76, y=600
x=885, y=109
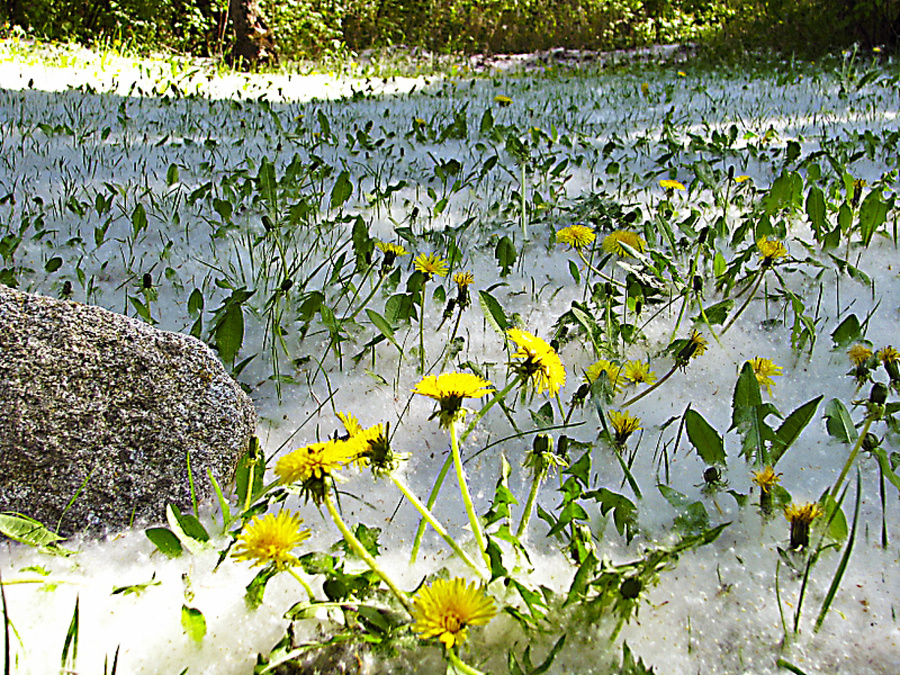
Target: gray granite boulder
x=98, y=402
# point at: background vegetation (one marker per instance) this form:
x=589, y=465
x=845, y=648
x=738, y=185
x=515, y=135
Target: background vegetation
x=316, y=28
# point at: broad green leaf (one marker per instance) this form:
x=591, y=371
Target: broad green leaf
x=505, y=254
x=382, y=325
x=848, y=331
x=790, y=429
x=493, y=312
x=229, y=333
x=815, y=211
x=138, y=219
x=26, y=530
x=342, y=189
x=704, y=438
x=193, y=622
x=165, y=540
x=838, y=422
x=624, y=510
x=872, y=215
x=53, y=264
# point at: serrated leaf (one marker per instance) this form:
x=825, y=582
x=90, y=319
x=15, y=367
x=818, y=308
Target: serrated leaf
x=815, y=211
x=704, y=438
x=872, y=215
x=27, y=530
x=229, y=333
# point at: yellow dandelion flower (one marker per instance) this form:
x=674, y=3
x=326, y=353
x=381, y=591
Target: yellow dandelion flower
x=447, y=608
x=431, y=265
x=638, y=372
x=859, y=354
x=463, y=279
x=890, y=359
x=541, y=367
x=623, y=425
x=765, y=370
x=681, y=73
x=670, y=184
x=577, y=236
x=502, y=100
x=800, y=516
x=271, y=539
x=613, y=373
x=612, y=243
x=770, y=249
x=693, y=347
x=766, y=479
x=316, y=460
x=645, y=88
x=449, y=389
x=394, y=249
x=351, y=424
x=741, y=178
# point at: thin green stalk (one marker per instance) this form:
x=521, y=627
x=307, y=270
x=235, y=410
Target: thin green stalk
x=459, y=665
x=365, y=302
x=440, y=529
x=361, y=551
x=466, y=497
x=529, y=505
x=750, y=295
x=852, y=457
x=432, y=498
x=655, y=385
x=309, y=592
x=600, y=274
x=442, y=475
x=422, y=331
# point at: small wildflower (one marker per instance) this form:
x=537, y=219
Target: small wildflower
x=431, y=265
x=391, y=253
x=577, y=236
x=890, y=359
x=463, y=280
x=693, y=347
x=449, y=389
x=741, y=178
x=271, y=539
x=623, y=425
x=681, y=73
x=859, y=354
x=800, y=516
x=766, y=479
x=770, y=249
x=373, y=446
x=765, y=370
x=311, y=464
x=645, y=88
x=447, y=608
x=638, y=372
x=613, y=373
x=669, y=184
x=541, y=367
x=502, y=100
x=612, y=243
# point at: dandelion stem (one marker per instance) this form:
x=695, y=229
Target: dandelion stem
x=466, y=497
x=529, y=505
x=459, y=666
x=600, y=274
x=750, y=295
x=361, y=551
x=422, y=331
x=309, y=592
x=852, y=457
x=365, y=302
x=655, y=385
x=440, y=529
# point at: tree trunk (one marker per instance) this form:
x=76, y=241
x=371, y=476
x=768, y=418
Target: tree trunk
x=253, y=44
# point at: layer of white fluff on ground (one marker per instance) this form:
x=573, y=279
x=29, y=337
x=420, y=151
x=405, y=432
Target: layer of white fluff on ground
x=716, y=612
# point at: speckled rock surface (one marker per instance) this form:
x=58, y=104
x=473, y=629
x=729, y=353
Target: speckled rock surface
x=93, y=398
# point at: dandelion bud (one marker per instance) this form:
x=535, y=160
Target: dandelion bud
x=630, y=588
x=870, y=442
x=879, y=393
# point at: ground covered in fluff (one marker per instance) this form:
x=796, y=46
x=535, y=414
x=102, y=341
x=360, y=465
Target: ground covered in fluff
x=246, y=211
